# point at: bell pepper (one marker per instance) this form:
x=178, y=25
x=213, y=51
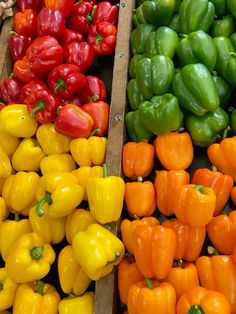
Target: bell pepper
x=134, y=96
x=65, y=80
x=202, y=15
x=23, y=72
x=43, y=297
x=3, y=210
x=137, y=159
x=27, y=156
x=19, y=190
x=80, y=17
x=154, y=75
x=82, y=304
x=30, y=88
x=174, y=150
x=69, y=35
x=220, y=7
x=127, y=229
x=50, y=21
x=175, y=23
x=233, y=195
x=101, y=247
x=25, y=23
x=9, y=143
x=163, y=41
x=44, y=54
x=154, y=249
x=133, y=64
x=105, y=11
x=51, y=141
x=201, y=300
x=65, y=6
x=197, y=47
x=35, y=5
x=18, y=45
x=71, y=276
x=232, y=121
x=224, y=27
x=220, y=183
x=231, y=7
x=218, y=273
x=8, y=290
x=57, y=162
x=161, y=114
x=222, y=156
x=195, y=89
x=10, y=90
x=94, y=90
x=224, y=91
x=5, y=164
x=165, y=183
x=138, y=38
x=78, y=220
x=75, y=100
x=52, y=230
x=58, y=194
x=232, y=38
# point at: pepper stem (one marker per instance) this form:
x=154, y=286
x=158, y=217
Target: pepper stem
x=1, y=286
x=89, y=18
x=180, y=263
x=136, y=217
x=13, y=33
x=104, y=170
x=130, y=257
x=96, y=130
x=17, y=216
x=40, y=105
x=212, y=251
x=213, y=168
x=149, y=283
x=45, y=199
x=195, y=309
x=60, y=84
x=40, y=286
x=59, y=109
x=98, y=38
x=94, y=98
x=36, y=252
x=199, y=187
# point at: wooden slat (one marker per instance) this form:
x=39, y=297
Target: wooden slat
x=106, y=291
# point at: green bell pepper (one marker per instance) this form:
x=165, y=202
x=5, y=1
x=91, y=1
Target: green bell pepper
x=204, y=130
x=232, y=119
x=162, y=42
x=224, y=91
x=133, y=64
x=154, y=75
x=161, y=114
x=133, y=94
x=232, y=38
x=231, y=4
x=220, y=7
x=197, y=47
x=196, y=15
x=226, y=59
x=175, y=23
x=136, y=130
x=224, y=27
x=195, y=89
x=139, y=37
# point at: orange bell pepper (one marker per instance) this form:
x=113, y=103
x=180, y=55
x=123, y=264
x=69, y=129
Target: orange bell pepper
x=154, y=249
x=233, y=195
x=128, y=274
x=220, y=183
x=189, y=240
x=151, y=297
x=137, y=159
x=140, y=199
x=223, y=156
x=194, y=204
x=222, y=232
x=127, y=228
x=234, y=254
x=165, y=183
x=174, y=150
x=199, y=300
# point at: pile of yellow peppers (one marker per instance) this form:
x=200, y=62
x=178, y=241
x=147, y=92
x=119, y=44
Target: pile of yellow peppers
x=45, y=178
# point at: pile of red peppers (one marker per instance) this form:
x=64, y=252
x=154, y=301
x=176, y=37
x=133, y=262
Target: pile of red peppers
x=53, y=44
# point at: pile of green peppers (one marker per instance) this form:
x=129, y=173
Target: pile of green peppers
x=182, y=72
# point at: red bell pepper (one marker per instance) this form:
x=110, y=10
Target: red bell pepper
x=102, y=36
x=93, y=2
x=43, y=104
x=65, y=80
x=25, y=23
x=75, y=100
x=99, y=111
x=68, y=35
x=31, y=88
x=74, y=122
x=104, y=11
x=10, y=90
x=94, y=90
x=80, y=17
x=18, y=45
x=80, y=54
x=24, y=73
x=44, y=54
x=50, y=22
x=35, y=5
x=65, y=6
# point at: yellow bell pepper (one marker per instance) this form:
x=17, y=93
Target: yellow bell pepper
x=97, y=250
x=2, y=180
x=57, y=162
x=16, y=121
x=19, y=190
x=51, y=229
x=8, y=289
x=27, y=156
x=3, y=210
x=5, y=164
x=89, y=151
x=72, y=277
x=77, y=305
x=105, y=197
x=51, y=141
x=10, y=231
x=78, y=220
x=58, y=194
x=36, y=298
x=30, y=258
x=84, y=173
x=8, y=142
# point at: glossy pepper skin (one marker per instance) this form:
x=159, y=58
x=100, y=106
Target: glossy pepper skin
x=72, y=277
x=100, y=246
x=105, y=11
x=8, y=290
x=43, y=298
x=94, y=90
x=223, y=27
x=57, y=162
x=69, y=35
x=31, y=87
x=18, y=45
x=224, y=91
x=35, y=5
x=195, y=89
x=25, y=23
x=9, y=143
x=231, y=7
x=80, y=17
x=134, y=96
x=23, y=72
x=220, y=7
x=65, y=80
x=65, y=6
x=50, y=21
x=139, y=38
x=133, y=64
x=30, y=258
x=10, y=90
x=5, y=164
x=83, y=304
